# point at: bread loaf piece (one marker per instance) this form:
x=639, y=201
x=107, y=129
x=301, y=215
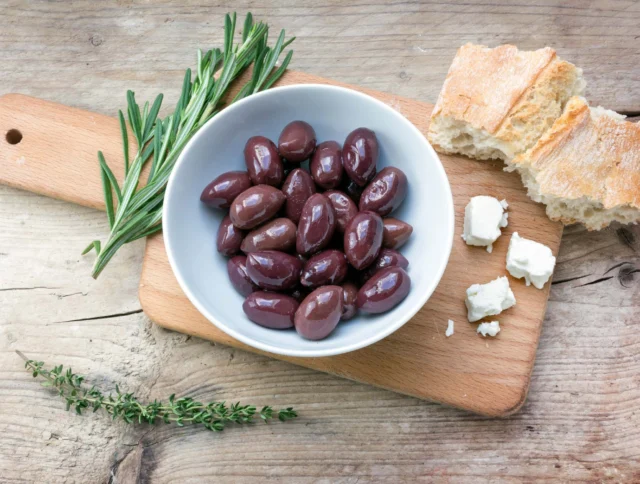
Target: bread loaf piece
x=496, y=103
x=586, y=168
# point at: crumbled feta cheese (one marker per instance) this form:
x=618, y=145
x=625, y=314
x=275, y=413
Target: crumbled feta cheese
x=491, y=329
x=531, y=260
x=504, y=204
x=483, y=218
x=489, y=299
x=449, y=330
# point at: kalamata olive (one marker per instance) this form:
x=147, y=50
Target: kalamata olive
x=298, y=187
x=297, y=141
x=349, y=296
x=223, y=190
x=384, y=290
x=316, y=226
x=271, y=310
x=352, y=189
x=255, y=206
x=396, y=233
x=363, y=239
x=237, y=270
x=344, y=208
x=263, y=162
x=326, y=165
x=279, y=234
x=319, y=313
x=327, y=267
x=386, y=192
x=273, y=270
x=386, y=258
x=229, y=237
x=360, y=155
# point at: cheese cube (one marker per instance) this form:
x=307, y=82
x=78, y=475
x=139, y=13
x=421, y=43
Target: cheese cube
x=489, y=299
x=483, y=218
x=531, y=260
x=449, y=330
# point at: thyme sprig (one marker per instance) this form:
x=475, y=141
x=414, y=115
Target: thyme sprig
x=213, y=416
x=136, y=213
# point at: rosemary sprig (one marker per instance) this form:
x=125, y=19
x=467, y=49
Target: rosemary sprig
x=213, y=416
x=136, y=213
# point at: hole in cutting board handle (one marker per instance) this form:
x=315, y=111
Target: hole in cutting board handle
x=13, y=136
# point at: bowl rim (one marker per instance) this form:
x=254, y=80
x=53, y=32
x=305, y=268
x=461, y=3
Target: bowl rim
x=320, y=352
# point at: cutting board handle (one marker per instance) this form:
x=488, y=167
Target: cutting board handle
x=51, y=149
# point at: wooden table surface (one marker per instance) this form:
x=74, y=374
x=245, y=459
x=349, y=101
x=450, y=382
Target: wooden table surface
x=582, y=418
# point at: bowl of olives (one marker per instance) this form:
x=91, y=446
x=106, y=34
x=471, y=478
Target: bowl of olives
x=308, y=220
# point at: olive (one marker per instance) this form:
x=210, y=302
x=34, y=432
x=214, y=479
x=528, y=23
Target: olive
x=360, y=155
x=386, y=192
x=327, y=267
x=279, y=234
x=319, y=313
x=255, y=206
x=316, y=226
x=363, y=239
x=223, y=190
x=386, y=258
x=271, y=310
x=273, y=270
x=297, y=141
x=395, y=233
x=326, y=165
x=385, y=290
x=344, y=208
x=349, y=296
x=263, y=162
x=298, y=187
x=229, y=237
x=237, y=270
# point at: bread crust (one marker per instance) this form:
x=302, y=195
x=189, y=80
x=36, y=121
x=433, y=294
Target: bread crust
x=586, y=156
x=511, y=95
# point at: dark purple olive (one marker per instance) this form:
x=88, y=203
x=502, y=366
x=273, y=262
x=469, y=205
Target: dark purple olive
x=386, y=258
x=271, y=310
x=237, y=270
x=279, y=234
x=229, y=237
x=316, y=226
x=386, y=192
x=327, y=267
x=326, y=165
x=363, y=239
x=353, y=190
x=396, y=233
x=319, y=313
x=273, y=270
x=298, y=187
x=263, y=162
x=222, y=191
x=344, y=208
x=349, y=296
x=384, y=290
x=360, y=155
x=255, y=206
x=297, y=141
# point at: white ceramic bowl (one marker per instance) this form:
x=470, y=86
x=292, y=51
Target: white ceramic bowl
x=190, y=227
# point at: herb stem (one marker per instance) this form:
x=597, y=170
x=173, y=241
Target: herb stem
x=137, y=213
x=213, y=416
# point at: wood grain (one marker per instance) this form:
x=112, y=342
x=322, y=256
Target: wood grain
x=580, y=422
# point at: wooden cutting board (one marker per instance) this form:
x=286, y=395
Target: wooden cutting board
x=56, y=156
